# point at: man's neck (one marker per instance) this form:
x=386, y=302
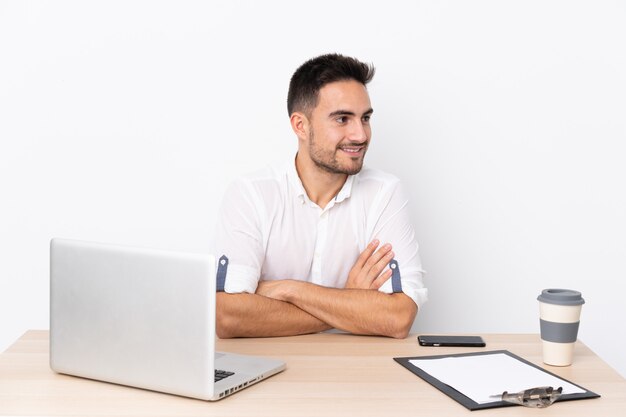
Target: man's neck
x=320, y=185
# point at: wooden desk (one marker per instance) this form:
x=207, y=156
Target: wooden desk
x=327, y=375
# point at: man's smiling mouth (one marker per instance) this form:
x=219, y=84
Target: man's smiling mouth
x=353, y=149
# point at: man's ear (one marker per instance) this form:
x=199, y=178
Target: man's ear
x=300, y=125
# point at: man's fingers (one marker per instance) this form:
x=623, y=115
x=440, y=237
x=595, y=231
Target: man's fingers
x=376, y=257
x=379, y=266
x=382, y=278
x=369, y=265
x=367, y=253
x=379, y=259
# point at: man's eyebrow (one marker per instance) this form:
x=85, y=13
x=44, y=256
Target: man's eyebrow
x=349, y=113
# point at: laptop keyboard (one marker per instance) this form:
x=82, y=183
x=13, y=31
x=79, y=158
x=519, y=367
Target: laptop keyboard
x=219, y=374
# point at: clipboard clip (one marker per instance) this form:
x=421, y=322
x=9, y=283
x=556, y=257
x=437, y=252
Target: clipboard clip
x=540, y=397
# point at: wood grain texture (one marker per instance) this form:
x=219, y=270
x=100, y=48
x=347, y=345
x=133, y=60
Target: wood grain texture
x=327, y=375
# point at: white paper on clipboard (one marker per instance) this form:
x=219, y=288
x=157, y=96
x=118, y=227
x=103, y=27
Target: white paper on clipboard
x=480, y=377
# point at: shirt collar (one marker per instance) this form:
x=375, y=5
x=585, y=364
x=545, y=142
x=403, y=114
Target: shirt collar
x=296, y=182
x=294, y=179
x=346, y=190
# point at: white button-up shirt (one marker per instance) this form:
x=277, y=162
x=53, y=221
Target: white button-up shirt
x=269, y=229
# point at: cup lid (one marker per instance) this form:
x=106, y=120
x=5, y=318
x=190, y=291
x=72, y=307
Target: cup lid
x=561, y=297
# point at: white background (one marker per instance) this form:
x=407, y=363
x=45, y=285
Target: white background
x=124, y=121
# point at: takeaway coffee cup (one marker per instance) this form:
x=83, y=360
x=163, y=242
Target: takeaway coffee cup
x=559, y=317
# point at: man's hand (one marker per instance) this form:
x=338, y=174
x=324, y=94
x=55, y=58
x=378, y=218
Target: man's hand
x=276, y=289
x=366, y=272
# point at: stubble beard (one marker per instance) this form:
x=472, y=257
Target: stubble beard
x=327, y=160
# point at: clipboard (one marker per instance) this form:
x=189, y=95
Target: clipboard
x=469, y=403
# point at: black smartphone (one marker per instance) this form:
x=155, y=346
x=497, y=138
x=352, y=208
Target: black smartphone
x=459, y=341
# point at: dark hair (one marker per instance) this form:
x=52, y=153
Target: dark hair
x=314, y=74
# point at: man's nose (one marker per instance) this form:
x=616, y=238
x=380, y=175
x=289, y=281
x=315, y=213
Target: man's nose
x=358, y=132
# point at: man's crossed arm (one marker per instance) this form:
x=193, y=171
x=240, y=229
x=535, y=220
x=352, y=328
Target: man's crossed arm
x=290, y=307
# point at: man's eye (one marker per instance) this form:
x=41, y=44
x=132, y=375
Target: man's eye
x=366, y=119
x=342, y=119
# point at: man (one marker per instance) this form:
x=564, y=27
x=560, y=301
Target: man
x=303, y=241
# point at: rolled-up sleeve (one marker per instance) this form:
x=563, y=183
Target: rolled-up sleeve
x=392, y=224
x=238, y=235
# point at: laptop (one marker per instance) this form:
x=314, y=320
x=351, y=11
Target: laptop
x=143, y=318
